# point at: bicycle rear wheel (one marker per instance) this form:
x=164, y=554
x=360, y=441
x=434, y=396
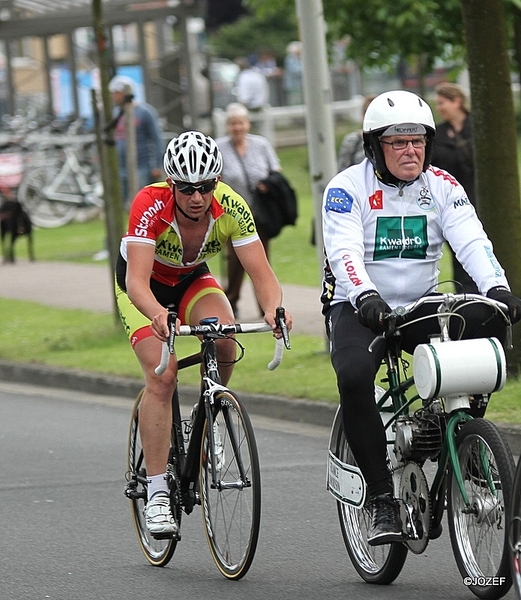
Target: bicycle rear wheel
x=157, y=552
x=375, y=564
x=514, y=536
x=43, y=212
x=231, y=507
x=478, y=532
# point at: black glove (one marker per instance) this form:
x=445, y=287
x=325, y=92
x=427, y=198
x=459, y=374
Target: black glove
x=501, y=294
x=372, y=309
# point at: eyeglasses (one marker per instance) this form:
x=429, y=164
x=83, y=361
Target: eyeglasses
x=402, y=144
x=189, y=188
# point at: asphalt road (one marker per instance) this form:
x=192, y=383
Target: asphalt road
x=67, y=533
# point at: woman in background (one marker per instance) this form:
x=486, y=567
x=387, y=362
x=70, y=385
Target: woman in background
x=454, y=152
x=247, y=159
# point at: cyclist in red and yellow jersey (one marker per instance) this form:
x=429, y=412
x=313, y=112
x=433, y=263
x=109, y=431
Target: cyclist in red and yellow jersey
x=174, y=228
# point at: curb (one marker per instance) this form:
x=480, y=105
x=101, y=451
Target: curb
x=296, y=410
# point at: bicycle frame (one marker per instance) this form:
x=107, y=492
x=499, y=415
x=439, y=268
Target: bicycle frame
x=88, y=195
x=211, y=388
x=400, y=406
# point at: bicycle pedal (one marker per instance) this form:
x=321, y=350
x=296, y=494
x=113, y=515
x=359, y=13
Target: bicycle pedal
x=167, y=536
x=163, y=536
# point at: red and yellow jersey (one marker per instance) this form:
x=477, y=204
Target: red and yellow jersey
x=152, y=220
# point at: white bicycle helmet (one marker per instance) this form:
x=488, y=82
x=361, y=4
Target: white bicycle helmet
x=396, y=107
x=192, y=157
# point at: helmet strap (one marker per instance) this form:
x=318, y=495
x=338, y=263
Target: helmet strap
x=177, y=207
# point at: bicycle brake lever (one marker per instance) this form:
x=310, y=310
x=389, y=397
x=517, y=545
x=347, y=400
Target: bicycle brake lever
x=167, y=348
x=377, y=340
x=280, y=320
x=509, y=340
x=390, y=319
x=172, y=316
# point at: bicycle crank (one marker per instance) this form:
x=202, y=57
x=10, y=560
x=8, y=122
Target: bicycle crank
x=415, y=507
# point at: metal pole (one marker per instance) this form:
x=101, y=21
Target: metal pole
x=131, y=151
x=319, y=114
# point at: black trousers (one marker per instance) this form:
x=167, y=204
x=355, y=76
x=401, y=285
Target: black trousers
x=235, y=271
x=356, y=369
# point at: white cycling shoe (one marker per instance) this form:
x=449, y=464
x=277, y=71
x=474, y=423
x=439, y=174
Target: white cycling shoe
x=158, y=516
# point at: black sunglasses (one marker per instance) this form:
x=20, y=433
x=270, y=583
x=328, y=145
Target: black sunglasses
x=189, y=188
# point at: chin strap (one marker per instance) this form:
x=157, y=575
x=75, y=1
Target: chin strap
x=177, y=207
x=185, y=215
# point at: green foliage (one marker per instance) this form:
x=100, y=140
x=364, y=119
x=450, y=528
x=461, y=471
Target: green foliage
x=404, y=28
x=254, y=33
x=380, y=31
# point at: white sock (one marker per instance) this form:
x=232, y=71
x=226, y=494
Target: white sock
x=157, y=485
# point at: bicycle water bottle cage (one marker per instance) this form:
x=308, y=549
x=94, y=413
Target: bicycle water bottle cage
x=209, y=321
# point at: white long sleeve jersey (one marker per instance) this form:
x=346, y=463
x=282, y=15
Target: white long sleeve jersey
x=390, y=239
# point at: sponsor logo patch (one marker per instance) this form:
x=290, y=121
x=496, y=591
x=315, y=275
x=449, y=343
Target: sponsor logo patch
x=376, y=201
x=425, y=201
x=401, y=237
x=464, y=201
x=338, y=200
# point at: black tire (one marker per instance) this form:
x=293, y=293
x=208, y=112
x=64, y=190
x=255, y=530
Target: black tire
x=157, y=552
x=515, y=532
x=231, y=514
x=479, y=536
x=375, y=564
x=43, y=212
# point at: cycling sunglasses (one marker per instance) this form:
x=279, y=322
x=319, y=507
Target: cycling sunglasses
x=189, y=188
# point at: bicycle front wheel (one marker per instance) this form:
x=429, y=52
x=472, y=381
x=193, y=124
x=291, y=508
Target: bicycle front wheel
x=232, y=503
x=43, y=212
x=375, y=564
x=157, y=552
x=479, y=530
x=514, y=536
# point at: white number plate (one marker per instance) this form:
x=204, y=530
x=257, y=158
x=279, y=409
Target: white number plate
x=345, y=482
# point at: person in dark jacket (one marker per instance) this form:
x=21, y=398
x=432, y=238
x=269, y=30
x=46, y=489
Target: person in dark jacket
x=275, y=204
x=247, y=158
x=453, y=152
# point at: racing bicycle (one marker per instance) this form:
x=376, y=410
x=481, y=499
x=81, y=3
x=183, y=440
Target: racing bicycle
x=213, y=459
x=427, y=418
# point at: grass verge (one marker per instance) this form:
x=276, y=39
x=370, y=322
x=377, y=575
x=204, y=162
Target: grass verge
x=33, y=333
x=90, y=341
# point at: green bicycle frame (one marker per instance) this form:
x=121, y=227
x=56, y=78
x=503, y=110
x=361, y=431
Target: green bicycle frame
x=400, y=406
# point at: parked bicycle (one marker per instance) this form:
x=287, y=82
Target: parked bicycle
x=213, y=458
x=63, y=179
x=427, y=418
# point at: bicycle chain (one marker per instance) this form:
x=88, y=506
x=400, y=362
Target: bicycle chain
x=172, y=472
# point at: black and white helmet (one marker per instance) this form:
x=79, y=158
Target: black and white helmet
x=396, y=108
x=192, y=157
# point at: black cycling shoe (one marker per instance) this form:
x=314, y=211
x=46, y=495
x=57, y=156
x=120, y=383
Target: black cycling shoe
x=386, y=525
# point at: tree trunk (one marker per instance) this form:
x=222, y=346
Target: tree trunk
x=515, y=13
x=495, y=144
x=112, y=192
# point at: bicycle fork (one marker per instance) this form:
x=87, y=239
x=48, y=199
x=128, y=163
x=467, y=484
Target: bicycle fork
x=214, y=396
